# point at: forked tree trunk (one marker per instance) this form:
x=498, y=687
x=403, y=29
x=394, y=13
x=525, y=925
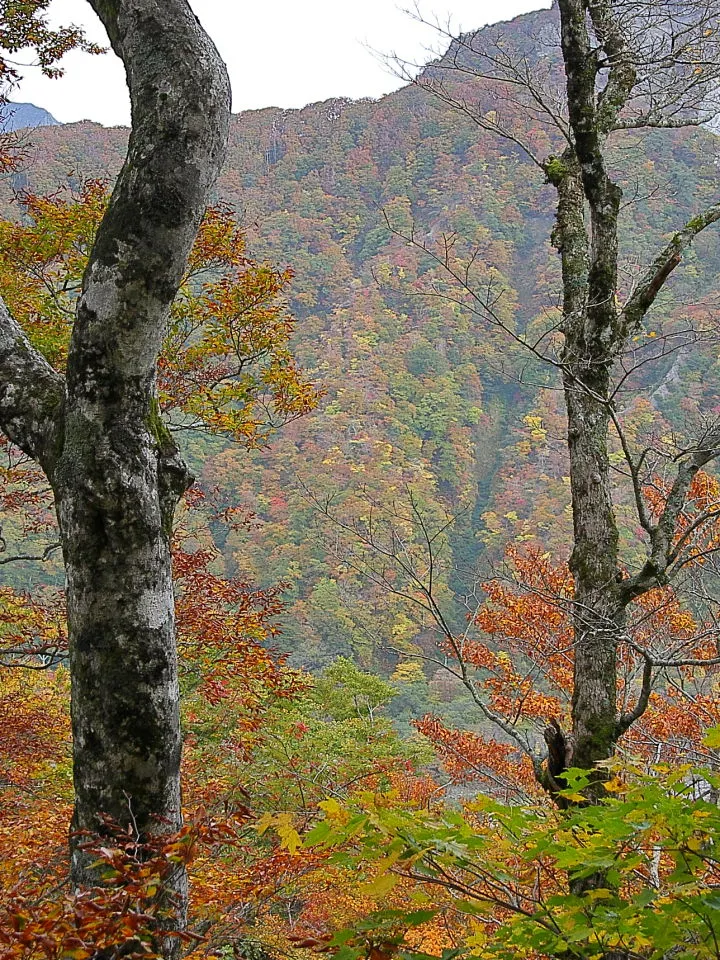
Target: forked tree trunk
x=98, y=434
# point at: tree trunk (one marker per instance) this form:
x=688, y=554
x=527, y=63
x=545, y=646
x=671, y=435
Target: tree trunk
x=593, y=564
x=588, y=313
x=593, y=336
x=114, y=469
x=108, y=483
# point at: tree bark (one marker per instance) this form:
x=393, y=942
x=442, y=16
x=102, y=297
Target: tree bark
x=596, y=332
x=115, y=471
x=601, y=75
x=589, y=322
x=593, y=563
x=593, y=337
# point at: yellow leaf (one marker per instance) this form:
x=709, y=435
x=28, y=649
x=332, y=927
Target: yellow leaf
x=379, y=886
x=478, y=938
x=389, y=861
x=290, y=840
x=265, y=821
x=599, y=894
x=615, y=785
x=289, y=837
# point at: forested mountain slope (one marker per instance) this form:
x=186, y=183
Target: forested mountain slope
x=423, y=398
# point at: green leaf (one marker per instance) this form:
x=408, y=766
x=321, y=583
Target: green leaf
x=712, y=738
x=319, y=834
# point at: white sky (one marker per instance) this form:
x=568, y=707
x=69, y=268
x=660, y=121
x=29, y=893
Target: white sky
x=283, y=53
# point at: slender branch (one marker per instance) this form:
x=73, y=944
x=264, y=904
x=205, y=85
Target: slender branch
x=656, y=569
x=45, y=555
x=673, y=663
x=634, y=468
x=699, y=521
x=628, y=719
x=662, y=266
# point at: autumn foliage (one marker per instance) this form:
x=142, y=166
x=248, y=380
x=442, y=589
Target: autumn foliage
x=312, y=827
x=226, y=365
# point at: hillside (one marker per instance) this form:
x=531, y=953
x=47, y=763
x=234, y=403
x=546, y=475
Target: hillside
x=422, y=395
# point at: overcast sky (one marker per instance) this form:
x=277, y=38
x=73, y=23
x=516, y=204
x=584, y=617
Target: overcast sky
x=282, y=53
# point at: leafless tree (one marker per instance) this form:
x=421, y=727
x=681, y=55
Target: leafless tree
x=596, y=69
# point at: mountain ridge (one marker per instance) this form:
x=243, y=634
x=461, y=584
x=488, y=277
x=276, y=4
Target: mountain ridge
x=20, y=116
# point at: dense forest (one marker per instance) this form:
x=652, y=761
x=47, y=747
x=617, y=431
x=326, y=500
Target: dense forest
x=377, y=570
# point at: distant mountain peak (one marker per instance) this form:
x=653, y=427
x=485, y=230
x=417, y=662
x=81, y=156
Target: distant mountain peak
x=17, y=116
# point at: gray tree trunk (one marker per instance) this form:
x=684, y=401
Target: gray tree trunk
x=98, y=434
x=596, y=331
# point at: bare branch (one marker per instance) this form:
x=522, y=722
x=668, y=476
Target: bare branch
x=657, y=274
x=42, y=557
x=628, y=719
x=657, y=568
x=634, y=467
